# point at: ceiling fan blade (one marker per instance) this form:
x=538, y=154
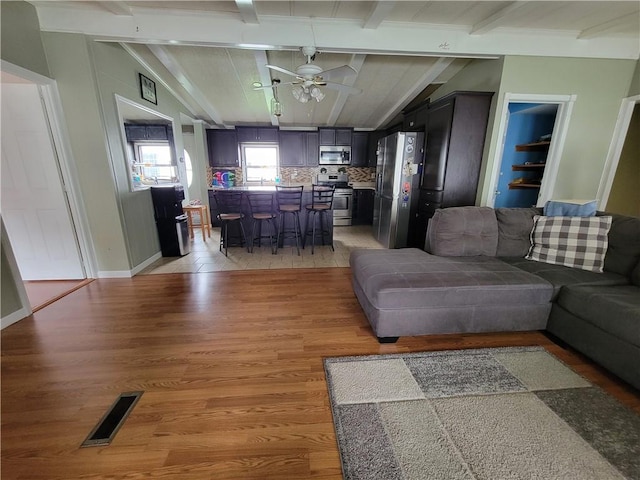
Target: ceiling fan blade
x=343, y=88
x=264, y=87
x=282, y=70
x=339, y=72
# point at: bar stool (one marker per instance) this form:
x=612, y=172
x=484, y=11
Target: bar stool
x=289, y=201
x=262, y=210
x=321, y=203
x=229, y=204
x=205, y=222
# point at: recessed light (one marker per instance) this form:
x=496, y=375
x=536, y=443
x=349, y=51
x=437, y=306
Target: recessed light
x=256, y=84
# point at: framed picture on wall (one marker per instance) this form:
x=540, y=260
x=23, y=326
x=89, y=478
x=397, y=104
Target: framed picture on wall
x=148, y=89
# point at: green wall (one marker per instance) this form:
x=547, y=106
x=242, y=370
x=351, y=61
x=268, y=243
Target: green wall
x=89, y=75
x=599, y=84
x=20, y=32
x=634, y=89
x=625, y=194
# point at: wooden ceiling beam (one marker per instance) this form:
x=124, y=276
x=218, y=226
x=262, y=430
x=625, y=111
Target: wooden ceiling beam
x=117, y=8
x=248, y=11
x=265, y=79
x=610, y=26
x=356, y=63
x=497, y=18
x=379, y=12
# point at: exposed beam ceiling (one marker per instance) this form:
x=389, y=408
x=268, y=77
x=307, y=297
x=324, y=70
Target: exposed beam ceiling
x=265, y=79
x=176, y=70
x=429, y=76
x=356, y=63
x=610, y=26
x=497, y=19
x=379, y=13
x=247, y=11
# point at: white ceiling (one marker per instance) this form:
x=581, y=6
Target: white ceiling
x=208, y=53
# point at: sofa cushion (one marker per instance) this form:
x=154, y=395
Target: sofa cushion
x=514, y=230
x=560, y=276
x=613, y=309
x=623, y=253
x=463, y=231
x=635, y=275
x=579, y=242
x=410, y=278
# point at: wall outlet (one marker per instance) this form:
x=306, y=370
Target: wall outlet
x=373, y=176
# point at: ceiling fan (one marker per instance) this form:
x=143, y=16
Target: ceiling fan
x=308, y=77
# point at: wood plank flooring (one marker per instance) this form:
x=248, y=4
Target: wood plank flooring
x=231, y=366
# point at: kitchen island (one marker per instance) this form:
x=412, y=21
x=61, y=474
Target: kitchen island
x=234, y=231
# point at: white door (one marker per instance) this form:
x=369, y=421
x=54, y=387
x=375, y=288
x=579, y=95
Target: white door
x=34, y=205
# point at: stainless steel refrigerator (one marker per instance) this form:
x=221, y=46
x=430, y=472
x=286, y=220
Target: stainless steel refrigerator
x=399, y=158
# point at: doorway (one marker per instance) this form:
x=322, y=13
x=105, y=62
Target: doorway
x=35, y=205
x=532, y=129
x=526, y=147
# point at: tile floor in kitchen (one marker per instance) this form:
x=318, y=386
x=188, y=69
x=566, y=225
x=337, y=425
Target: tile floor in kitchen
x=206, y=257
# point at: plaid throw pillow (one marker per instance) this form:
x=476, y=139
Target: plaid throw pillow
x=578, y=242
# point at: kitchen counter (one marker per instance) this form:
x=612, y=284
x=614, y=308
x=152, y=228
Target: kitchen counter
x=257, y=188
x=363, y=185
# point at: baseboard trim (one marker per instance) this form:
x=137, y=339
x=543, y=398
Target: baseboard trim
x=14, y=317
x=146, y=263
x=129, y=273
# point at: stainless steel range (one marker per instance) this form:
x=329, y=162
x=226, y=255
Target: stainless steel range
x=342, y=198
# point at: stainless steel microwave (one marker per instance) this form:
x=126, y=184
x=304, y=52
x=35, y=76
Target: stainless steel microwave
x=334, y=155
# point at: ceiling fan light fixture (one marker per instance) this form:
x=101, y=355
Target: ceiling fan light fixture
x=316, y=93
x=301, y=94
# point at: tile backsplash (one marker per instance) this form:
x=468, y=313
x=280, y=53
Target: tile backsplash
x=305, y=175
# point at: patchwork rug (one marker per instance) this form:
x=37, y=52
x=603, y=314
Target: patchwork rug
x=496, y=413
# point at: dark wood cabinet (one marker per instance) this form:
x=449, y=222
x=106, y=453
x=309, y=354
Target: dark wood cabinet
x=362, y=213
x=359, y=149
x=293, y=148
x=373, y=146
x=456, y=127
x=223, y=148
x=257, y=134
x=335, y=136
x=139, y=132
x=415, y=120
x=312, y=149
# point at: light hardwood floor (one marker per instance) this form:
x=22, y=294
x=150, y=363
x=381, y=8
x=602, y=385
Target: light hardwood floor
x=231, y=366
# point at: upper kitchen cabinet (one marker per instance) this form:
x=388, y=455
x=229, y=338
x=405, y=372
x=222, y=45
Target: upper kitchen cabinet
x=293, y=148
x=257, y=134
x=373, y=146
x=415, y=120
x=223, y=148
x=335, y=136
x=138, y=132
x=313, y=155
x=298, y=148
x=360, y=149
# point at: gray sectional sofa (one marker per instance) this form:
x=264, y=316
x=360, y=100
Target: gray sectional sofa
x=474, y=278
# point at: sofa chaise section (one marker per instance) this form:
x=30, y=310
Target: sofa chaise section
x=411, y=292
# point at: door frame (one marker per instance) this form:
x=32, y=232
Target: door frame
x=558, y=137
x=54, y=116
x=620, y=132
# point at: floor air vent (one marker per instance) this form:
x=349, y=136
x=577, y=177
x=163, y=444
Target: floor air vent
x=108, y=426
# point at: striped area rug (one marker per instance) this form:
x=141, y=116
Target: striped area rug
x=499, y=413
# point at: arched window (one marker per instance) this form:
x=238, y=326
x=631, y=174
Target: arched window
x=189, y=167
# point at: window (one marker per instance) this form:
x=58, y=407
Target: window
x=153, y=164
x=260, y=163
x=189, y=167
